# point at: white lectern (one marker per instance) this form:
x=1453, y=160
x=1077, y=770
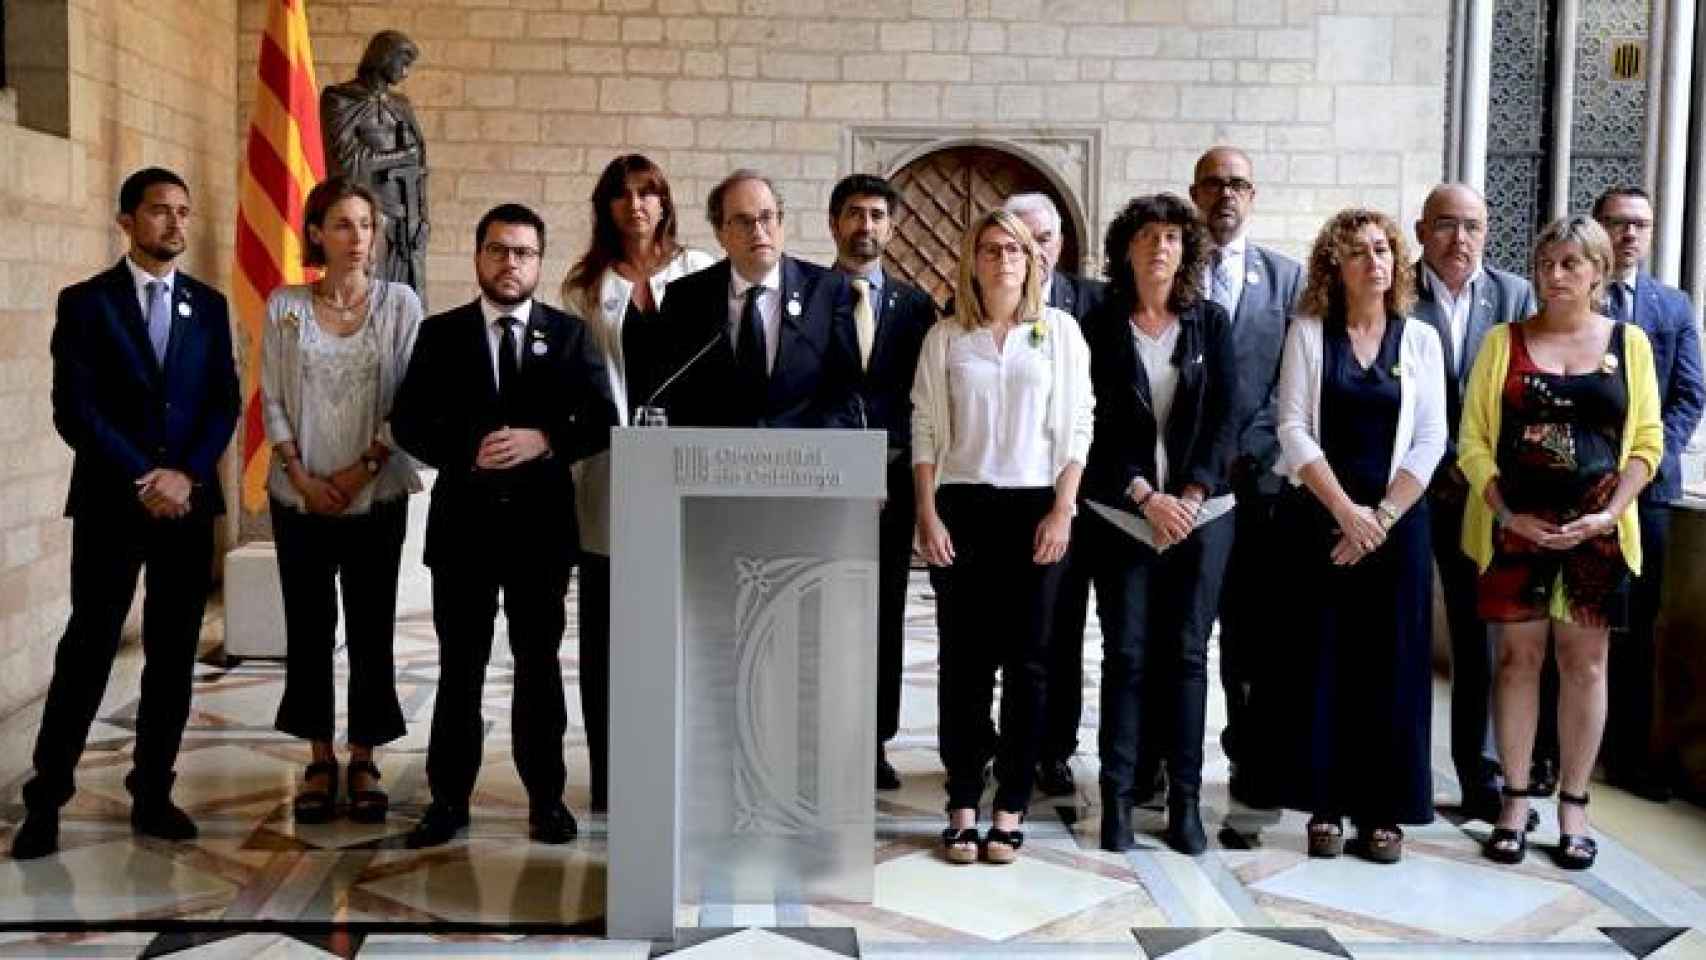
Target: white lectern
x=743, y=669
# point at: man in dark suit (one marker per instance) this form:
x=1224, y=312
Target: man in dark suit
x=145, y=393
x=1064, y=700
x=1664, y=313
x=1258, y=289
x=501, y=396
x=1463, y=298
x=759, y=339
x=890, y=318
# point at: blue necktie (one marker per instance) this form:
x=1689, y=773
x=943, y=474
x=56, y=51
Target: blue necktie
x=1619, y=301
x=1221, y=292
x=159, y=319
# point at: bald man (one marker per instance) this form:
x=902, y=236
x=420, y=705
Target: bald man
x=1462, y=298
x=1258, y=288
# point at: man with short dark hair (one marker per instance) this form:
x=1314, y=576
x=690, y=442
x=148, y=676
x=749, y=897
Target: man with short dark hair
x=1663, y=312
x=890, y=319
x=501, y=396
x=1258, y=288
x=146, y=395
x=1462, y=298
x=759, y=339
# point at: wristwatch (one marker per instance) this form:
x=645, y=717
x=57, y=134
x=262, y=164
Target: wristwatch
x=1388, y=514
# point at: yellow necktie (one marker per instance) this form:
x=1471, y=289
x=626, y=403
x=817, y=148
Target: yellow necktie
x=864, y=323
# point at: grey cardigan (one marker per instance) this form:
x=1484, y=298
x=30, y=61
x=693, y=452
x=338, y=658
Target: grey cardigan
x=395, y=313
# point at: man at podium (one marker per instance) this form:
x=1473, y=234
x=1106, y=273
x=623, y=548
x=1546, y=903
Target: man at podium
x=758, y=339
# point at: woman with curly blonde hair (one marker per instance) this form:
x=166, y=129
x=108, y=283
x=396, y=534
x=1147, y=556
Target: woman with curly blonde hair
x=1361, y=414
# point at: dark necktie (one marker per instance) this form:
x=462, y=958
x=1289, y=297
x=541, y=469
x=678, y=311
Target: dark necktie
x=509, y=373
x=1619, y=301
x=749, y=348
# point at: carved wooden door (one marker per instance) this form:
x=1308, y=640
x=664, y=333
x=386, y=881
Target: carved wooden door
x=941, y=193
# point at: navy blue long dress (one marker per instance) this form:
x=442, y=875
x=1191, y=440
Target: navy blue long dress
x=1356, y=708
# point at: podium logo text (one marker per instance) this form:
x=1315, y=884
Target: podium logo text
x=763, y=467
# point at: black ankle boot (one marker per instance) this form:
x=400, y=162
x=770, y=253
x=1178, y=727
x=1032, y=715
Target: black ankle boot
x=1116, y=820
x=1184, y=828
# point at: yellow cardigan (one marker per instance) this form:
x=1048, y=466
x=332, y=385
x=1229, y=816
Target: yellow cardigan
x=1478, y=437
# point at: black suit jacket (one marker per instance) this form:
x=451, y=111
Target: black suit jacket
x=123, y=414
x=1202, y=428
x=1079, y=296
x=816, y=374
x=1272, y=284
x=886, y=386
x=448, y=402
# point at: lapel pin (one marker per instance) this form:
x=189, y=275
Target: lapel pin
x=539, y=348
x=1252, y=277
x=794, y=306
x=183, y=309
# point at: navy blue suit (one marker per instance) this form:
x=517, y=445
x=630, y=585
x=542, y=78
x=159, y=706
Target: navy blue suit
x=816, y=374
x=904, y=315
x=511, y=531
x=124, y=414
x=1663, y=312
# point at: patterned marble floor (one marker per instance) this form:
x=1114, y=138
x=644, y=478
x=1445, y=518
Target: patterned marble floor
x=258, y=885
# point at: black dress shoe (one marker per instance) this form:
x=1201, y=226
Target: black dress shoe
x=1184, y=828
x=439, y=824
x=1054, y=779
x=552, y=825
x=887, y=778
x=161, y=818
x=37, y=836
x=1116, y=821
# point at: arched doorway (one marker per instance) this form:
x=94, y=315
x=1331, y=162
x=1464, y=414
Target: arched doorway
x=942, y=192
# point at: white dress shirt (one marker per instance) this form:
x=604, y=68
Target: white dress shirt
x=1232, y=258
x=141, y=278
x=495, y=331
x=999, y=402
x=1156, y=353
x=769, y=309
x=1456, y=308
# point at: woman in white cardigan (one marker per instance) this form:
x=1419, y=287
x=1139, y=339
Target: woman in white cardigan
x=1002, y=415
x=1361, y=419
x=617, y=290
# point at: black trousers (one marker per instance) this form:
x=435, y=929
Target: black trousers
x=317, y=554
x=994, y=607
x=1064, y=702
x=1249, y=597
x=1473, y=750
x=895, y=528
x=1157, y=612
x=1628, y=750
x=107, y=552
x=464, y=607
x=595, y=670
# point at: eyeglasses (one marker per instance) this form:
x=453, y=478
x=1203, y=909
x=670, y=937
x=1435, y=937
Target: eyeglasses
x=1237, y=185
x=501, y=252
x=749, y=225
x=1614, y=224
x=1001, y=251
x=1448, y=226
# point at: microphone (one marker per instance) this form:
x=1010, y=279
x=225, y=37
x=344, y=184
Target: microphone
x=651, y=401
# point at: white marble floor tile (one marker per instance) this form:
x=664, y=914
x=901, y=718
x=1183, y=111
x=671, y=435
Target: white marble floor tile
x=1228, y=944
x=105, y=881
x=254, y=946
x=753, y=944
x=987, y=901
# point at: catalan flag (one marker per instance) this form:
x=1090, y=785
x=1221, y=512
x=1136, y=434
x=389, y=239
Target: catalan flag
x=283, y=161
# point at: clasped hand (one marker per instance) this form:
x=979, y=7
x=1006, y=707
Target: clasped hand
x=164, y=493
x=1171, y=518
x=1552, y=536
x=1360, y=534
x=510, y=447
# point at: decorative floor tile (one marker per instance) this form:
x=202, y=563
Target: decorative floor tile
x=1245, y=944
x=773, y=944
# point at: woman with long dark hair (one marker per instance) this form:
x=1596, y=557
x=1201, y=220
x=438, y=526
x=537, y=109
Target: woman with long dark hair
x=617, y=288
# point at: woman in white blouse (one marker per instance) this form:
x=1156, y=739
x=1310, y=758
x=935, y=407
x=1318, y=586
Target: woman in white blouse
x=1361, y=421
x=617, y=288
x=1001, y=426
x=332, y=355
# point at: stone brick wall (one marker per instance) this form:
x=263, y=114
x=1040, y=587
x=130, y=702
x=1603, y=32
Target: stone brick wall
x=1339, y=101
x=150, y=82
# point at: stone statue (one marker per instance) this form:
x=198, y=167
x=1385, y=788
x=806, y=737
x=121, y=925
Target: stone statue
x=372, y=136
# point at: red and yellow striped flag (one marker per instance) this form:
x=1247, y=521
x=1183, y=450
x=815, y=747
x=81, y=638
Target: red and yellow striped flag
x=284, y=161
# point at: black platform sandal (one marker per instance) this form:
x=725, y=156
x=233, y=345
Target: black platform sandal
x=1326, y=837
x=1506, y=845
x=317, y=806
x=1002, y=846
x=1383, y=844
x=1575, y=851
x=960, y=845
x=368, y=805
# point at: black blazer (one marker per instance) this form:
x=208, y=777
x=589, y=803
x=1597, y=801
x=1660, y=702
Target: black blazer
x=1202, y=429
x=121, y=413
x=816, y=375
x=448, y=402
x=1079, y=296
x=886, y=385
